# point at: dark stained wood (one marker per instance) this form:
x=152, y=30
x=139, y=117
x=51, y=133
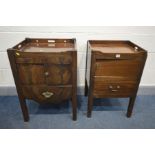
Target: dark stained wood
x=39, y=57
x=86, y=88
x=31, y=74
x=16, y=79
x=113, y=69
x=59, y=75
x=74, y=86
x=45, y=70
x=118, y=68
x=91, y=85
x=130, y=107
x=114, y=89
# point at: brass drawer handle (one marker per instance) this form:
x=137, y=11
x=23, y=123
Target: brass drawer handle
x=47, y=94
x=114, y=90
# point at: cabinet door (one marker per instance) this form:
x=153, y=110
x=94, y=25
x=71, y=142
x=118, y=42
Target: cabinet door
x=118, y=68
x=58, y=74
x=30, y=74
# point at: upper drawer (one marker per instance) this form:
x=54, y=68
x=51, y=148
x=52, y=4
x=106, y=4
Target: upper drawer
x=39, y=58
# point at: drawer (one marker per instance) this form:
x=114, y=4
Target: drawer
x=47, y=94
x=39, y=58
x=114, y=88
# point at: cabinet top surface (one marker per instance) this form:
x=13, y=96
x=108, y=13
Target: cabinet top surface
x=46, y=45
x=114, y=46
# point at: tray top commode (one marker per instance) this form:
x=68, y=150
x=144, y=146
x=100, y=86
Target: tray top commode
x=45, y=70
x=113, y=69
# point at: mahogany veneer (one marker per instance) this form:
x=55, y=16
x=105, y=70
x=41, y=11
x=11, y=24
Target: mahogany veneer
x=45, y=70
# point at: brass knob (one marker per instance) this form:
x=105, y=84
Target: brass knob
x=46, y=73
x=47, y=94
x=118, y=87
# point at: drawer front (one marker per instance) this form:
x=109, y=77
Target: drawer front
x=37, y=58
x=47, y=94
x=58, y=74
x=119, y=68
x=114, y=88
x=31, y=74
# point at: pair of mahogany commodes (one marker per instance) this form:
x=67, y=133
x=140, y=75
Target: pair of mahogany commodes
x=45, y=70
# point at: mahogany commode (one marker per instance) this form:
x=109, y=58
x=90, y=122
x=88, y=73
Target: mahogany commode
x=113, y=69
x=45, y=70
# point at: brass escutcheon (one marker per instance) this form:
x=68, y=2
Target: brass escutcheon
x=47, y=94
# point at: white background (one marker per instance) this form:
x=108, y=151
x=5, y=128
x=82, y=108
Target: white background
x=143, y=36
x=78, y=13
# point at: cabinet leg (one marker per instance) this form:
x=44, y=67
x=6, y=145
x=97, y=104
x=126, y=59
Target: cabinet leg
x=74, y=107
x=90, y=105
x=130, y=106
x=86, y=88
x=24, y=110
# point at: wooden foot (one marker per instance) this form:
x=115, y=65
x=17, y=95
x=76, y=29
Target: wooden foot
x=86, y=88
x=130, y=106
x=89, y=114
x=24, y=110
x=74, y=108
x=90, y=105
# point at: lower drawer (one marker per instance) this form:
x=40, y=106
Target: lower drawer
x=114, y=89
x=47, y=94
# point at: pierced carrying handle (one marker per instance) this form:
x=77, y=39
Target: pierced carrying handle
x=47, y=94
